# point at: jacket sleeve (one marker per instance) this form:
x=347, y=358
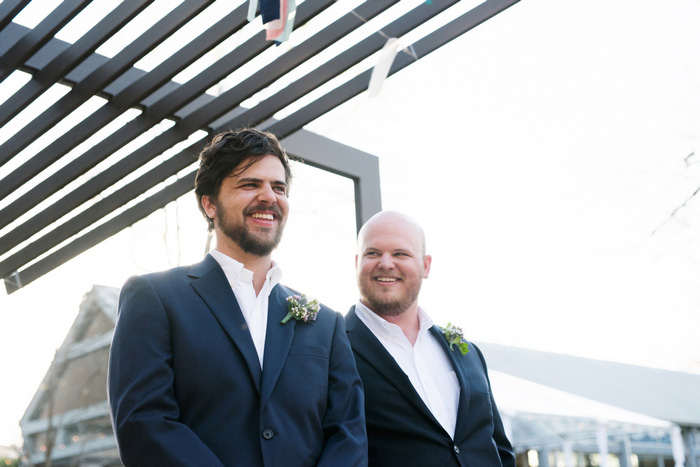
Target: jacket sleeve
x=505, y=449
x=344, y=422
x=143, y=407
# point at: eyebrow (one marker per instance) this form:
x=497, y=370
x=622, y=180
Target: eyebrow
x=395, y=250
x=260, y=180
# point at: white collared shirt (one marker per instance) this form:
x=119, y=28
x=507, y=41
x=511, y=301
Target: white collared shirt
x=254, y=308
x=426, y=364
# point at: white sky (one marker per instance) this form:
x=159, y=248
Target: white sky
x=540, y=151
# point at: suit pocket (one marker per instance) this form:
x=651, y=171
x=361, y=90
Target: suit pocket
x=310, y=351
x=305, y=374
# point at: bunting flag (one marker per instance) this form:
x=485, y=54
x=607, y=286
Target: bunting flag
x=270, y=10
x=291, y=15
x=381, y=69
x=277, y=17
x=252, y=9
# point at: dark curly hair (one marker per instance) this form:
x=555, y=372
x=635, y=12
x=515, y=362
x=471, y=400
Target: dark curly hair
x=231, y=153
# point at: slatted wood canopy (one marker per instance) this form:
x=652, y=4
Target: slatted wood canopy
x=62, y=193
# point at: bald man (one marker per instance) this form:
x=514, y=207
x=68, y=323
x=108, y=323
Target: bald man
x=428, y=399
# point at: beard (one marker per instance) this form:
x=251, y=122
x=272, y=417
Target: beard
x=388, y=306
x=241, y=234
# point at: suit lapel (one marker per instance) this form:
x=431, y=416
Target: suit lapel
x=211, y=285
x=462, y=377
x=367, y=346
x=278, y=341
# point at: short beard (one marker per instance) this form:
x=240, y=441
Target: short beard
x=248, y=243
x=242, y=236
x=393, y=307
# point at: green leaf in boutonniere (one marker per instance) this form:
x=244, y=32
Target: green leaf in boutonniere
x=454, y=336
x=301, y=308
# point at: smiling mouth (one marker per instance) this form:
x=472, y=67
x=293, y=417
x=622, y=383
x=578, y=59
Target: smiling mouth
x=263, y=216
x=387, y=279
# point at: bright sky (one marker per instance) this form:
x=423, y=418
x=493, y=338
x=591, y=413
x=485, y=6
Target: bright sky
x=543, y=152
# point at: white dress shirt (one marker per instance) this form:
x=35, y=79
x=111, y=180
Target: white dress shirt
x=254, y=308
x=426, y=364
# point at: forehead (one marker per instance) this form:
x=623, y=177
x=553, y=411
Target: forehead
x=391, y=236
x=267, y=168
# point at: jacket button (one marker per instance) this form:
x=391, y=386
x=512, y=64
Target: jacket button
x=456, y=449
x=268, y=433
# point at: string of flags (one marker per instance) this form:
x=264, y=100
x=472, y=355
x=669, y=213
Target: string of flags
x=278, y=20
x=277, y=17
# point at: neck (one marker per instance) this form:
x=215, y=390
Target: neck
x=408, y=322
x=259, y=265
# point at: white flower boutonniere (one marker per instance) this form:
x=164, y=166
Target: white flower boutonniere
x=301, y=308
x=454, y=336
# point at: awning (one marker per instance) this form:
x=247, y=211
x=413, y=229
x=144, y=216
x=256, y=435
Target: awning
x=99, y=131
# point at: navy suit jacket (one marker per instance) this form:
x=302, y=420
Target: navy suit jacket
x=186, y=388
x=401, y=429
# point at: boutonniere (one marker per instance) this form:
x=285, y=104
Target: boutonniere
x=301, y=308
x=454, y=336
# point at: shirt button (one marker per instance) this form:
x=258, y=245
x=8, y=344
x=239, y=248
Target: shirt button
x=268, y=433
x=456, y=449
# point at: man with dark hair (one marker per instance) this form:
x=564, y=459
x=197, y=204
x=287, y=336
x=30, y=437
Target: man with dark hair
x=218, y=364
x=428, y=399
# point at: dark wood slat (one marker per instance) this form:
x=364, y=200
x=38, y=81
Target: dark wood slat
x=69, y=59
x=128, y=98
x=217, y=108
x=40, y=35
x=270, y=73
x=334, y=67
x=99, y=234
x=284, y=127
x=97, y=184
x=121, y=137
x=93, y=84
x=316, y=150
x=9, y=9
x=423, y=47
x=94, y=213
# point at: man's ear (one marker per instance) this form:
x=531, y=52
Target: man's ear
x=209, y=207
x=427, y=261
x=356, y=263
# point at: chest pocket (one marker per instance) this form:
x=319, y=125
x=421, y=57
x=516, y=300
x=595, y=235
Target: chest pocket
x=310, y=351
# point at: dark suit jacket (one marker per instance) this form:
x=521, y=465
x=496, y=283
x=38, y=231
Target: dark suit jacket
x=401, y=429
x=185, y=385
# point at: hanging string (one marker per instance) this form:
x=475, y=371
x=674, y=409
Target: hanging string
x=381, y=69
x=407, y=50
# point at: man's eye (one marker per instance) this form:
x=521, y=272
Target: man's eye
x=280, y=189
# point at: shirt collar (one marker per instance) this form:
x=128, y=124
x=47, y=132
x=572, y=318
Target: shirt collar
x=235, y=272
x=425, y=321
x=377, y=324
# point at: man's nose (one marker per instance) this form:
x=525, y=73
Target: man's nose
x=267, y=194
x=386, y=261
